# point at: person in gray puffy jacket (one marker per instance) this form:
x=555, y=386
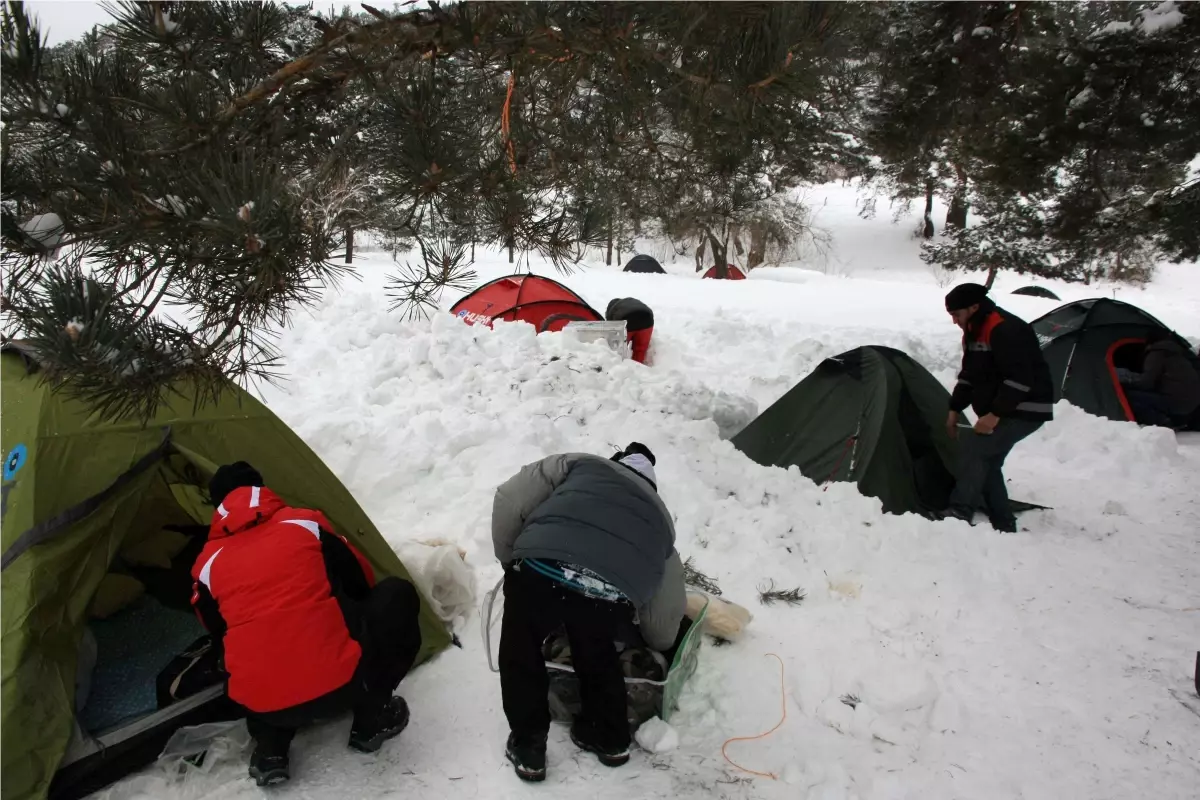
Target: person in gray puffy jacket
x=586, y=544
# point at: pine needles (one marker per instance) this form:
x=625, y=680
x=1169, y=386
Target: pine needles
x=417, y=289
x=769, y=595
x=692, y=576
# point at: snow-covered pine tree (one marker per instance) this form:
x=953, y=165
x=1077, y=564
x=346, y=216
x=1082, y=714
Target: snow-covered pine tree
x=1087, y=172
x=197, y=162
x=945, y=71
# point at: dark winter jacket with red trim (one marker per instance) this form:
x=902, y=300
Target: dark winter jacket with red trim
x=280, y=592
x=1003, y=371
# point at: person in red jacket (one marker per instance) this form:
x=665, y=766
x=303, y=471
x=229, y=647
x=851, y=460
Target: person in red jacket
x=639, y=324
x=304, y=628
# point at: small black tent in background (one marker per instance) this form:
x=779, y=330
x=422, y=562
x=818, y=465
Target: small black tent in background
x=1037, y=291
x=871, y=415
x=644, y=264
x=1086, y=342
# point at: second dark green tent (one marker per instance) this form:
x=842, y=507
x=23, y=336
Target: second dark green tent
x=871, y=415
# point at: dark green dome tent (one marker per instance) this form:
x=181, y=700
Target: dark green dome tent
x=1086, y=342
x=1036, y=291
x=81, y=499
x=644, y=263
x=871, y=415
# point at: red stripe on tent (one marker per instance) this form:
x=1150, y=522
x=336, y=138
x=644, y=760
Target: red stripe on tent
x=1112, y=373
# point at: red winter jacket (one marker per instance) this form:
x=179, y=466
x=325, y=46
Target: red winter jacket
x=276, y=589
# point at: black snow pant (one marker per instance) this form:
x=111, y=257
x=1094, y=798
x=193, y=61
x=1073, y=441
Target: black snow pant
x=1150, y=408
x=390, y=638
x=980, y=479
x=534, y=607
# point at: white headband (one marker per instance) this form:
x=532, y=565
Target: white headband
x=642, y=464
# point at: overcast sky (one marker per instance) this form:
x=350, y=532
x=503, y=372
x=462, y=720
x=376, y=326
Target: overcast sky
x=63, y=20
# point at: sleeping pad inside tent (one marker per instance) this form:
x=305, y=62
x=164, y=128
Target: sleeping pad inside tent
x=872, y=416
x=102, y=522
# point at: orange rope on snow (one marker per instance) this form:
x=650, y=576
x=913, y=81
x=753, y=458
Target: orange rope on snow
x=782, y=719
x=506, y=119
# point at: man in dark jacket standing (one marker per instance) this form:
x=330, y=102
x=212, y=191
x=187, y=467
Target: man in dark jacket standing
x=639, y=324
x=587, y=544
x=304, y=629
x=1005, y=379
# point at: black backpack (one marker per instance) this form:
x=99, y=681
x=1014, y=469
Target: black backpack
x=195, y=669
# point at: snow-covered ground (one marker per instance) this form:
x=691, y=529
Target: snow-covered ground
x=1054, y=663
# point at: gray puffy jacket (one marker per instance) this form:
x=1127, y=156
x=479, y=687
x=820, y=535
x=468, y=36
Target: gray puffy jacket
x=587, y=510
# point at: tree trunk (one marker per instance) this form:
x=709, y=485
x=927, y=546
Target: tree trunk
x=511, y=244
x=472, y=250
x=956, y=215
x=758, y=246
x=719, y=252
x=349, y=245
x=700, y=254
x=736, y=233
x=608, y=255
x=928, y=231
x=993, y=268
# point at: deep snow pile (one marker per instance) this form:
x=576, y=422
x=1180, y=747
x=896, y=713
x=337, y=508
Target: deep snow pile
x=929, y=660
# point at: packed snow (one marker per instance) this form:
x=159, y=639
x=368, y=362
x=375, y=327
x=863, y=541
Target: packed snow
x=928, y=660
x=1162, y=17
x=656, y=736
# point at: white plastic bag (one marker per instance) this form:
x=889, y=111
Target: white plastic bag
x=452, y=591
x=203, y=748
x=440, y=571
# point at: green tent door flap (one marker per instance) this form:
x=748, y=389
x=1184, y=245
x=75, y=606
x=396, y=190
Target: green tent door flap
x=73, y=488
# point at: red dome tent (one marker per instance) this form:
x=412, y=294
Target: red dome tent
x=732, y=273
x=544, y=303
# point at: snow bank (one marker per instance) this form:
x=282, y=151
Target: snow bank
x=932, y=660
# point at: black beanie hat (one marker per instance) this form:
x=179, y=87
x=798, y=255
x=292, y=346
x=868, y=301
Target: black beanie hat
x=635, y=447
x=965, y=295
x=230, y=477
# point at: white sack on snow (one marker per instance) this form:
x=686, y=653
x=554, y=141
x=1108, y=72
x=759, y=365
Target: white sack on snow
x=440, y=571
x=725, y=619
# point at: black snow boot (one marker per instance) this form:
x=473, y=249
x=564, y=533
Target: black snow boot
x=609, y=756
x=268, y=769
x=528, y=757
x=370, y=731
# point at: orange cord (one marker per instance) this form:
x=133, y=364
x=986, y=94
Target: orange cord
x=782, y=719
x=505, y=120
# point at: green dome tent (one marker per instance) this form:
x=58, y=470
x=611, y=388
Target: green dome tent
x=78, y=495
x=1087, y=341
x=871, y=415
